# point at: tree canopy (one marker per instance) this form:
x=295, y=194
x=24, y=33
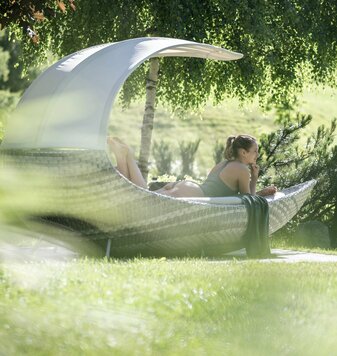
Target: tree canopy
x=24, y=13
x=284, y=43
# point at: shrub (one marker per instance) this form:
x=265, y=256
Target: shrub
x=285, y=163
x=188, y=152
x=218, y=152
x=162, y=154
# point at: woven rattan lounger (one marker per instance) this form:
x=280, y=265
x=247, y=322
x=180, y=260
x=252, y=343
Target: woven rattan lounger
x=86, y=193
x=59, y=132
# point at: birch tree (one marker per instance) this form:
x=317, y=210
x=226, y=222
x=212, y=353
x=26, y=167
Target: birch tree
x=147, y=127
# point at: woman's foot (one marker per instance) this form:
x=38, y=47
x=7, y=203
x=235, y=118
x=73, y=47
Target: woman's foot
x=119, y=148
x=118, y=140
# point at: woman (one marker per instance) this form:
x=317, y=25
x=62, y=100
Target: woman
x=236, y=175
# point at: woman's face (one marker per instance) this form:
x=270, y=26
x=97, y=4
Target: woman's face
x=252, y=154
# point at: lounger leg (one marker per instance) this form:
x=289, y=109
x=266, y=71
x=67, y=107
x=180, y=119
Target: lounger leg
x=108, y=248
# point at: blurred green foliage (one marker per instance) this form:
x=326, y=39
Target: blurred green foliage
x=8, y=102
x=4, y=57
x=12, y=76
x=13, y=79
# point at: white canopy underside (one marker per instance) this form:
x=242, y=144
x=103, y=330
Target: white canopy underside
x=68, y=106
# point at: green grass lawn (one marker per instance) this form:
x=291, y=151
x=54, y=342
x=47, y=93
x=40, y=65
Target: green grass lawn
x=168, y=307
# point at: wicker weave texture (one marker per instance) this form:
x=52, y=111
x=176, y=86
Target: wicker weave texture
x=83, y=184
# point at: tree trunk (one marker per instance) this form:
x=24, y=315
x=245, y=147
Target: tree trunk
x=333, y=228
x=151, y=88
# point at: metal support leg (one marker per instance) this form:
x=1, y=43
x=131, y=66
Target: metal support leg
x=108, y=248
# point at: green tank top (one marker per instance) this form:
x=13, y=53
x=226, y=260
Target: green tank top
x=215, y=187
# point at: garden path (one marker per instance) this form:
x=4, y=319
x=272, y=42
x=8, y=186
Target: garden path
x=290, y=256
x=46, y=251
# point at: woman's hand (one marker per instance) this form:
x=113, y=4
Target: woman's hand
x=254, y=171
x=271, y=190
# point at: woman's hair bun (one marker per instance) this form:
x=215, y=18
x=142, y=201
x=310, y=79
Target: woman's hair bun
x=234, y=143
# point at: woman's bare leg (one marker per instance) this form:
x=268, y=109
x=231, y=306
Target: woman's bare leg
x=121, y=153
x=126, y=163
x=136, y=176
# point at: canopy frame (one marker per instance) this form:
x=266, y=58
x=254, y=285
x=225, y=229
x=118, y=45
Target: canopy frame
x=69, y=105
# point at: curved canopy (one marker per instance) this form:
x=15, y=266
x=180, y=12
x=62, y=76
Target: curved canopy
x=69, y=104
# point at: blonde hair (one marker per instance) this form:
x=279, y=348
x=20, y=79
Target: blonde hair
x=234, y=143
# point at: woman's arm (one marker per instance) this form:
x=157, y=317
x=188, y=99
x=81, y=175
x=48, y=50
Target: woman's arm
x=271, y=190
x=245, y=182
x=252, y=186
x=254, y=168
x=254, y=173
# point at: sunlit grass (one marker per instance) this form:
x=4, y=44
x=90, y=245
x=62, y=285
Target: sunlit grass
x=169, y=307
